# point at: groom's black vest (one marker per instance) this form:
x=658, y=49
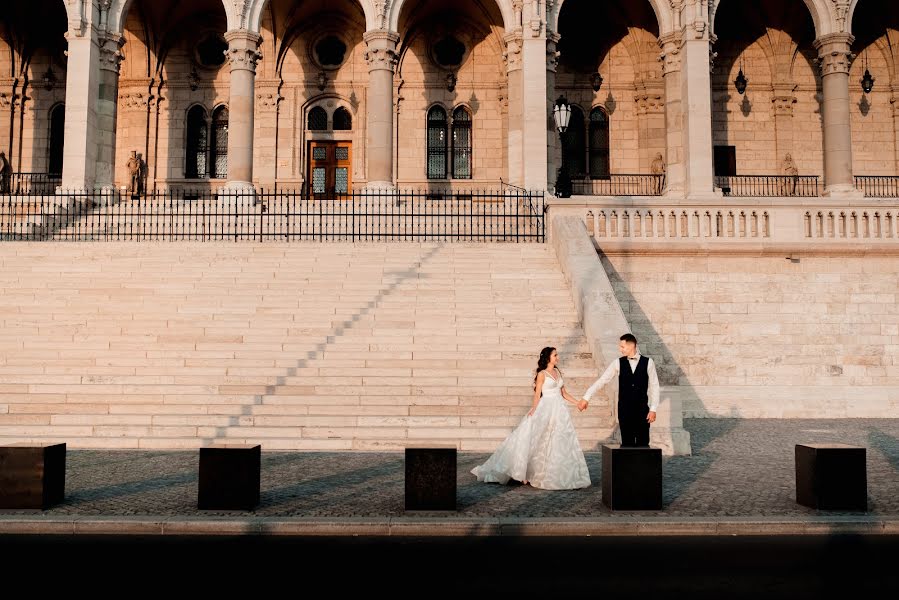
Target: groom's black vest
x=633, y=387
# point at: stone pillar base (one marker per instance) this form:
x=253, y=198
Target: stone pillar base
x=844, y=190
x=379, y=187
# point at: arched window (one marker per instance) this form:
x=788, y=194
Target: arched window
x=343, y=121
x=461, y=143
x=220, y=143
x=318, y=119
x=437, y=139
x=576, y=144
x=599, y=144
x=197, y=144
x=57, y=138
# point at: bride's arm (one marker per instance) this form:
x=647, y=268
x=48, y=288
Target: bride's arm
x=538, y=387
x=567, y=396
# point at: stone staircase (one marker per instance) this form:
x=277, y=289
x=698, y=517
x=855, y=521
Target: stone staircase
x=294, y=346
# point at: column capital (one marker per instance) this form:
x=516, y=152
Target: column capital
x=242, y=52
x=512, y=53
x=834, y=54
x=783, y=105
x=380, y=53
x=111, y=51
x=670, y=57
x=552, y=54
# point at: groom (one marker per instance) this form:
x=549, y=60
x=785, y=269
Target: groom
x=638, y=392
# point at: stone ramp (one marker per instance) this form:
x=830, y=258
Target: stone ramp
x=295, y=346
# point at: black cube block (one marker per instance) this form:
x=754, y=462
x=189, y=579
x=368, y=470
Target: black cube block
x=430, y=479
x=831, y=477
x=632, y=478
x=32, y=476
x=229, y=477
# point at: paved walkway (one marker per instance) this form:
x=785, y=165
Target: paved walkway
x=741, y=471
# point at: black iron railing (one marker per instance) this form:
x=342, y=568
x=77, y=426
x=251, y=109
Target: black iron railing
x=620, y=185
x=31, y=184
x=487, y=216
x=878, y=186
x=767, y=186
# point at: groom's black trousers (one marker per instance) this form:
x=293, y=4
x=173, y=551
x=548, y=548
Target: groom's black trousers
x=633, y=425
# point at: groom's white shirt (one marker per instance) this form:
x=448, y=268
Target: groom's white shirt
x=612, y=372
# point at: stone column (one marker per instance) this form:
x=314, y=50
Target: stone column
x=782, y=107
x=268, y=99
x=516, y=108
x=242, y=55
x=553, y=140
x=835, y=59
x=381, y=57
x=81, y=130
x=696, y=85
x=107, y=106
x=535, y=106
x=674, y=116
x=894, y=101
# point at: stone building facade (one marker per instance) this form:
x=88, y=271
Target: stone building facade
x=353, y=94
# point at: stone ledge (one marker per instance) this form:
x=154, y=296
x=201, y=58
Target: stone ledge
x=430, y=526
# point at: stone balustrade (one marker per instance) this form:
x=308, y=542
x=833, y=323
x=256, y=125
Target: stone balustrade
x=775, y=222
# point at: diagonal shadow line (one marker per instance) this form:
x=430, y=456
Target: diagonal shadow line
x=412, y=272
x=129, y=488
x=670, y=372
x=61, y=216
x=886, y=445
x=349, y=482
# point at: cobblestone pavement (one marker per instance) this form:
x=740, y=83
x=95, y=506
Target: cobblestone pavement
x=739, y=468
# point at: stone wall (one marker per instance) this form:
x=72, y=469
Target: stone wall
x=761, y=336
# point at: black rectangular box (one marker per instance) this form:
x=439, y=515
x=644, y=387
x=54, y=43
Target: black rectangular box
x=430, y=479
x=229, y=477
x=831, y=477
x=631, y=478
x=32, y=476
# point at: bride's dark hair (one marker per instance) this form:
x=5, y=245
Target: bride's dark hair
x=543, y=362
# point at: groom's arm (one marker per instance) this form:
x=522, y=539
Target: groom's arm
x=653, y=391
x=605, y=378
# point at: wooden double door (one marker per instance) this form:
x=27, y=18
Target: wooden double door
x=330, y=168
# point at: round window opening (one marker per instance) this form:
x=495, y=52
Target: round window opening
x=211, y=51
x=330, y=51
x=449, y=51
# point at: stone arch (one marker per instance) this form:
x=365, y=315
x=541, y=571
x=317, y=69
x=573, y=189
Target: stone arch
x=251, y=13
x=504, y=6
x=118, y=13
x=662, y=10
x=818, y=9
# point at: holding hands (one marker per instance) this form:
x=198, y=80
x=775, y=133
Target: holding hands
x=582, y=405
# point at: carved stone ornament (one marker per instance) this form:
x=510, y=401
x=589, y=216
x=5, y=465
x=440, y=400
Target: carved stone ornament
x=381, y=59
x=134, y=100
x=111, y=52
x=512, y=54
x=670, y=56
x=783, y=105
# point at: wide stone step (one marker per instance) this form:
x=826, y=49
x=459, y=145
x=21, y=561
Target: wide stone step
x=305, y=346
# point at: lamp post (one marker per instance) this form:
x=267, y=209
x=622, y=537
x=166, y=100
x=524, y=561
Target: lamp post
x=561, y=116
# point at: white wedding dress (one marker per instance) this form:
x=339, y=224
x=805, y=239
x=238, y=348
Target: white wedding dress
x=543, y=450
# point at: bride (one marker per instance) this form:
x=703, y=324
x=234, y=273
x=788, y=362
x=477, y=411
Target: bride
x=543, y=450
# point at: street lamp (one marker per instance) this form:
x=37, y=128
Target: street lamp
x=561, y=116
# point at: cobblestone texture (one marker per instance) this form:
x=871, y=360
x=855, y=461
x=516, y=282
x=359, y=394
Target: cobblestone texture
x=738, y=468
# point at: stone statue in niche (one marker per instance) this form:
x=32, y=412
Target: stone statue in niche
x=658, y=168
x=5, y=173
x=791, y=175
x=136, y=172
